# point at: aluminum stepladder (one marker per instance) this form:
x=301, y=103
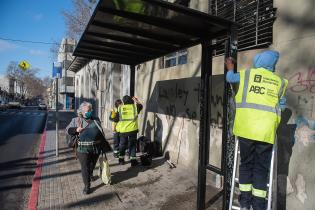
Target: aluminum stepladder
x=236, y=180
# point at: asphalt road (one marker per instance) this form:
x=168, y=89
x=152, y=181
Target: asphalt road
x=20, y=132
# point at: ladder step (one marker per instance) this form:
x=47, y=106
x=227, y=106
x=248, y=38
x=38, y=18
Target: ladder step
x=236, y=207
x=236, y=180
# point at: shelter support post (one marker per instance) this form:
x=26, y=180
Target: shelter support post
x=204, y=131
x=132, y=80
x=228, y=120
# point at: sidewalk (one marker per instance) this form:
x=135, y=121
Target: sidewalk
x=156, y=187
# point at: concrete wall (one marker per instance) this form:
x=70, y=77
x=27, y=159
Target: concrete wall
x=294, y=35
x=171, y=111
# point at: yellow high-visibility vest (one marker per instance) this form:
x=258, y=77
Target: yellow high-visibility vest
x=128, y=118
x=257, y=105
x=113, y=114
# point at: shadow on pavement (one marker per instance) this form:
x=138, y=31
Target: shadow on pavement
x=57, y=161
x=132, y=172
x=17, y=174
x=58, y=175
x=88, y=201
x=18, y=186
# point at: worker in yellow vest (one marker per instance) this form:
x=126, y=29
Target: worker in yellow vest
x=259, y=101
x=128, y=128
x=114, y=117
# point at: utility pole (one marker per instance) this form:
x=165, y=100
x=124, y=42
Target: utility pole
x=65, y=66
x=57, y=117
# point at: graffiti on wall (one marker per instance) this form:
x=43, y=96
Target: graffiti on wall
x=177, y=104
x=181, y=98
x=305, y=130
x=303, y=81
x=301, y=92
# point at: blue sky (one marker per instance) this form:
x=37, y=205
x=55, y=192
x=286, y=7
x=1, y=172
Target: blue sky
x=33, y=20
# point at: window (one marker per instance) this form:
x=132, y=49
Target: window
x=255, y=17
x=177, y=58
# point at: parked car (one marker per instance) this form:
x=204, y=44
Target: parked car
x=14, y=105
x=42, y=106
x=3, y=106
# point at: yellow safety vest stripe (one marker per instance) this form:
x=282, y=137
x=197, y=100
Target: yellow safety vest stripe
x=245, y=187
x=259, y=193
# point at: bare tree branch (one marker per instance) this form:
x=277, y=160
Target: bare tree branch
x=54, y=48
x=30, y=86
x=77, y=19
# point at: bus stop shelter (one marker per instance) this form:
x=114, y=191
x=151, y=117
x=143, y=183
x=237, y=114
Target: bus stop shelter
x=131, y=32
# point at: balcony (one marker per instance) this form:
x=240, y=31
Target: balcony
x=66, y=89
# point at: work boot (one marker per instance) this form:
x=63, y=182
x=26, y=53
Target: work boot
x=134, y=162
x=116, y=154
x=121, y=161
x=86, y=190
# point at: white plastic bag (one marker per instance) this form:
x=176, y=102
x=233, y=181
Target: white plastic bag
x=104, y=170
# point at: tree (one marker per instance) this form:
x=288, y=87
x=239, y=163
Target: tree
x=47, y=81
x=30, y=86
x=20, y=77
x=77, y=19
x=54, y=49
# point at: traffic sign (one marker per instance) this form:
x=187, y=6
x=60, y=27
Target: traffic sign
x=24, y=65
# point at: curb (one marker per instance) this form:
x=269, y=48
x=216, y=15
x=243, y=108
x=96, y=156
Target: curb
x=33, y=199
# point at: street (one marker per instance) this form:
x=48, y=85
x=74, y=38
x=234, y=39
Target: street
x=20, y=133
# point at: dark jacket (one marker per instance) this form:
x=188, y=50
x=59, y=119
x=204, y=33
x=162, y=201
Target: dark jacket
x=97, y=148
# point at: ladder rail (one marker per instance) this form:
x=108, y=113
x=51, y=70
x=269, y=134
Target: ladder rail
x=234, y=173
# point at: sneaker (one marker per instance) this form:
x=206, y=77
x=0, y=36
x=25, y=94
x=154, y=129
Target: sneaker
x=134, y=162
x=121, y=161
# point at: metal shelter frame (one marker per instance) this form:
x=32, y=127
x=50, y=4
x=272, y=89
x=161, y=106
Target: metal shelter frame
x=131, y=32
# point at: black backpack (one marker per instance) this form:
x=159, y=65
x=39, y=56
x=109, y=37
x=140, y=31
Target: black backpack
x=147, y=150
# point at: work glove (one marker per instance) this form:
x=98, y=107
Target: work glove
x=282, y=103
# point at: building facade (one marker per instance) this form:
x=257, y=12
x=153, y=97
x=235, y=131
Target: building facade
x=66, y=82
x=101, y=83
